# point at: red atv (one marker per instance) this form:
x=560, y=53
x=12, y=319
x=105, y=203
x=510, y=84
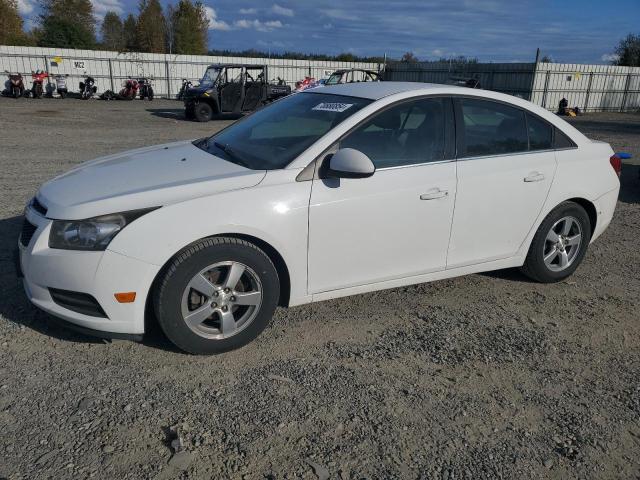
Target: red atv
x=38, y=77
x=129, y=90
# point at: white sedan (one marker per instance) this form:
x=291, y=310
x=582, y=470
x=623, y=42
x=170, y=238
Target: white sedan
x=328, y=193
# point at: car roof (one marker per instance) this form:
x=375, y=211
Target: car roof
x=378, y=90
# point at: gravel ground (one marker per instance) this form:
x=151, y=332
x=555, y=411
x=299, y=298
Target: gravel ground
x=486, y=376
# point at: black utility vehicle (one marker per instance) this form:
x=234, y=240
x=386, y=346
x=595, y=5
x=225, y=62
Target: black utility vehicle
x=233, y=89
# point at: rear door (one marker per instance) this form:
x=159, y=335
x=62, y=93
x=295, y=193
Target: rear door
x=506, y=165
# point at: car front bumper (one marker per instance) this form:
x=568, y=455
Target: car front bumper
x=98, y=274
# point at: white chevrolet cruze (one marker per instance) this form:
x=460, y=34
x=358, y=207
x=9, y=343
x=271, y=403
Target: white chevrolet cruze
x=327, y=193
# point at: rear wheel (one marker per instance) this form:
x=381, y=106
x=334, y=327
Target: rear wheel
x=216, y=295
x=559, y=245
x=203, y=112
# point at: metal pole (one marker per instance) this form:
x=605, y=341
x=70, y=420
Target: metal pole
x=546, y=87
x=113, y=88
x=626, y=92
x=586, y=100
x=166, y=65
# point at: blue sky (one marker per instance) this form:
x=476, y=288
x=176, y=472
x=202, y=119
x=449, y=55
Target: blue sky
x=493, y=30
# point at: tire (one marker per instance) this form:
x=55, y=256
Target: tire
x=150, y=94
x=175, y=298
x=202, y=112
x=563, y=249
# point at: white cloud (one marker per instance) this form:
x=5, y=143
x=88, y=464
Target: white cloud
x=609, y=57
x=278, y=10
x=248, y=11
x=258, y=25
x=339, y=14
x=214, y=23
x=25, y=7
x=100, y=7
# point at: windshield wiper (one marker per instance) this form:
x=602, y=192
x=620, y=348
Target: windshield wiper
x=231, y=154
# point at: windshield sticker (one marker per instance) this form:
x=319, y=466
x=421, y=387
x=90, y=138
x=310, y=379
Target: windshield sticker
x=332, y=107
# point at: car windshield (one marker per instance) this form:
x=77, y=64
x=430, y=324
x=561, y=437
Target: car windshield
x=334, y=79
x=273, y=137
x=210, y=76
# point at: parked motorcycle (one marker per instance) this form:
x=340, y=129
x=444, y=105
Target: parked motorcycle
x=16, y=84
x=145, y=88
x=88, y=88
x=129, y=89
x=61, y=84
x=37, y=90
x=186, y=85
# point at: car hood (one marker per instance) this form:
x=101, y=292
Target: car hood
x=196, y=91
x=142, y=178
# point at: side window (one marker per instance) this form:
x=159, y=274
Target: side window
x=407, y=134
x=491, y=128
x=540, y=133
x=562, y=141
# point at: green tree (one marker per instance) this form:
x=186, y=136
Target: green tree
x=112, y=32
x=129, y=30
x=151, y=28
x=409, y=57
x=628, y=51
x=67, y=24
x=11, y=24
x=188, y=28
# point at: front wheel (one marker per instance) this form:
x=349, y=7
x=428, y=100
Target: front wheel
x=203, y=112
x=559, y=245
x=216, y=295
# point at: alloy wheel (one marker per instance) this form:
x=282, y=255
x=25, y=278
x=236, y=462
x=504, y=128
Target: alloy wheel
x=221, y=300
x=562, y=244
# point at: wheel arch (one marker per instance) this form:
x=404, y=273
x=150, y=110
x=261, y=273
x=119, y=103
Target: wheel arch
x=273, y=254
x=589, y=207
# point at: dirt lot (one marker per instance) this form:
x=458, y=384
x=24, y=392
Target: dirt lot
x=487, y=376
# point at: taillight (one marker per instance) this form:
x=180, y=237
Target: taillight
x=616, y=163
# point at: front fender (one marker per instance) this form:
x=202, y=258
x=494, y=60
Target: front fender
x=275, y=211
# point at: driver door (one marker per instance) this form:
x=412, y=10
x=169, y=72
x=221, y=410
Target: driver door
x=395, y=223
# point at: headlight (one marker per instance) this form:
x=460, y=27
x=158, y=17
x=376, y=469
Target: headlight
x=92, y=233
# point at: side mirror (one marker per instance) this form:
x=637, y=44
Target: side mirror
x=350, y=163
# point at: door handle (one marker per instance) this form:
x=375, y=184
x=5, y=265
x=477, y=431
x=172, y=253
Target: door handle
x=534, y=177
x=434, y=194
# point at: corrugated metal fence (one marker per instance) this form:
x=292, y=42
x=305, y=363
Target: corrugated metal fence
x=110, y=69
x=590, y=87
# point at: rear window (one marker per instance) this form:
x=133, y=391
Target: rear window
x=562, y=141
x=492, y=128
x=540, y=133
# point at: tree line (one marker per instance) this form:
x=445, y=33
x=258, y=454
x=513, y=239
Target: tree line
x=181, y=28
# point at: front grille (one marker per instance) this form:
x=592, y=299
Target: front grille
x=38, y=207
x=28, y=229
x=77, y=302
